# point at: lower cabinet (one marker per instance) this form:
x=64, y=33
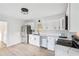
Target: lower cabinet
x=74, y=52
x=51, y=43
x=34, y=40
x=61, y=50
x=43, y=41
x=48, y=42
x=66, y=51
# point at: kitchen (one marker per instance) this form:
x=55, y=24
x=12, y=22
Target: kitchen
x=54, y=40
x=48, y=26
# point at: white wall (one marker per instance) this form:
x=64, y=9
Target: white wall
x=49, y=23
x=53, y=24
x=74, y=17
x=3, y=31
x=13, y=31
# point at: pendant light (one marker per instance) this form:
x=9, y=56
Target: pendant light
x=39, y=26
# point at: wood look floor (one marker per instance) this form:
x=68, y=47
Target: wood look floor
x=25, y=50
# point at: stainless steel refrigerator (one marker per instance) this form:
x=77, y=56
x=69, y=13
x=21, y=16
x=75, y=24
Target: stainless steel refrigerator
x=25, y=31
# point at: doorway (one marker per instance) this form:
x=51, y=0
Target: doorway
x=3, y=34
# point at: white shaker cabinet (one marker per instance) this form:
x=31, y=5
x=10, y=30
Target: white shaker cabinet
x=31, y=39
x=51, y=43
x=34, y=40
x=74, y=17
x=61, y=50
x=66, y=51
x=37, y=40
x=74, y=52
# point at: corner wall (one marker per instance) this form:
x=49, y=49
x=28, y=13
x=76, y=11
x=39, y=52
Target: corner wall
x=13, y=31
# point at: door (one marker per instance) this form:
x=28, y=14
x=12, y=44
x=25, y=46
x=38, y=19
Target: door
x=3, y=34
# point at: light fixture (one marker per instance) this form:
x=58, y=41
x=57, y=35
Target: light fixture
x=24, y=11
x=39, y=26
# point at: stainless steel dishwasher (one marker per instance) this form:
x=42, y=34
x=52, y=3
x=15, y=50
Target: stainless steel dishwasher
x=43, y=41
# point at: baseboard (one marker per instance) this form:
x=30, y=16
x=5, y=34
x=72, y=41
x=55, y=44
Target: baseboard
x=12, y=44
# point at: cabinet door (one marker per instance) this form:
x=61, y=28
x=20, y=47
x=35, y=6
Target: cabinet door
x=61, y=50
x=36, y=40
x=51, y=43
x=31, y=39
x=74, y=52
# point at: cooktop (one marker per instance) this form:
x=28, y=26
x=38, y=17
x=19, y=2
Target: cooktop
x=64, y=42
x=68, y=43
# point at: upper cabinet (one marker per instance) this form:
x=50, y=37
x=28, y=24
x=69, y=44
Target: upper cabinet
x=51, y=24
x=74, y=17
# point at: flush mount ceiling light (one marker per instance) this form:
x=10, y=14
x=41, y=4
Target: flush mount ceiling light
x=24, y=11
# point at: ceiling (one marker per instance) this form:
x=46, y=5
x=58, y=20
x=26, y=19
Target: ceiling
x=36, y=10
